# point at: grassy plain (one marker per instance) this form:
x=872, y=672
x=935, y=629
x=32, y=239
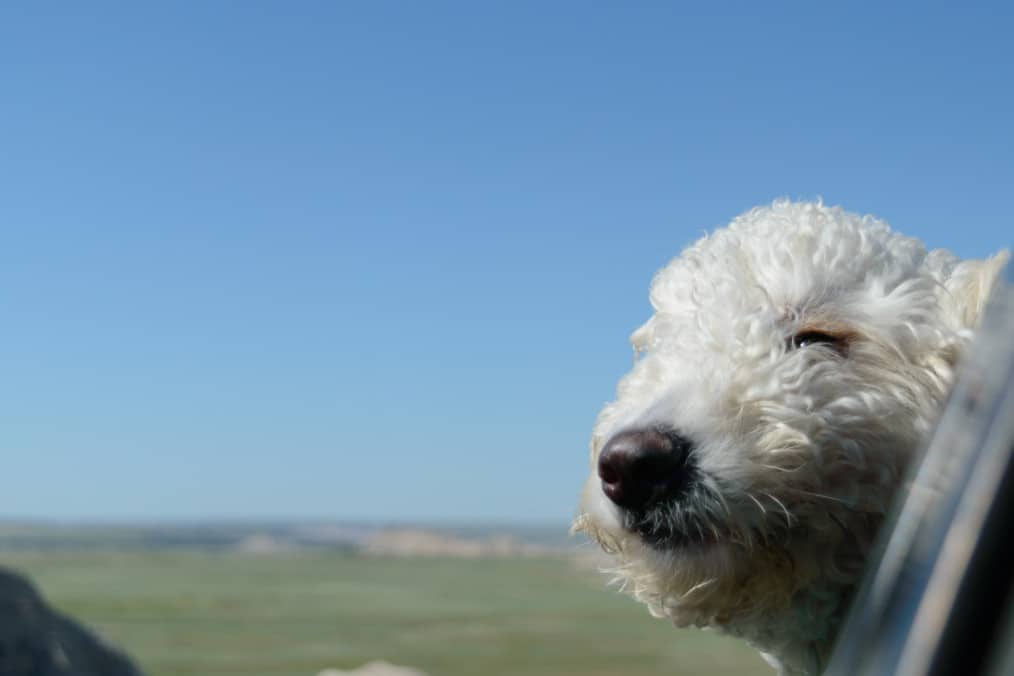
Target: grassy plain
x=198, y=613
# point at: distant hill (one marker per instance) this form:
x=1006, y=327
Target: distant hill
x=396, y=539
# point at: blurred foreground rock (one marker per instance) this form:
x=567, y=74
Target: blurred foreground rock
x=35, y=640
x=376, y=668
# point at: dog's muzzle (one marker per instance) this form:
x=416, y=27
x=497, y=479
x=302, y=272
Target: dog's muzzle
x=640, y=468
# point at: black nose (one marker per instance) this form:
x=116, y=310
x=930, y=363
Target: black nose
x=643, y=466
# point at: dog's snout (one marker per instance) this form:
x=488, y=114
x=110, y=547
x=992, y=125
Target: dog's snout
x=641, y=467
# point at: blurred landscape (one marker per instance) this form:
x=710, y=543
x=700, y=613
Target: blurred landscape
x=293, y=599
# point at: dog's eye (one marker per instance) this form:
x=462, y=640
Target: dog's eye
x=805, y=338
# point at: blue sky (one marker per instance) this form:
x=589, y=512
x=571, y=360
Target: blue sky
x=380, y=259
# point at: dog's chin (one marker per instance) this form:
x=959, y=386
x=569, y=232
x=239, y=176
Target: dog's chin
x=665, y=538
x=670, y=526
x=612, y=537
x=616, y=528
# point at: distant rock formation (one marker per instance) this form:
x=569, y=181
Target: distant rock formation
x=420, y=542
x=263, y=544
x=375, y=668
x=35, y=640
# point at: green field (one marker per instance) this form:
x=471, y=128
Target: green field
x=210, y=614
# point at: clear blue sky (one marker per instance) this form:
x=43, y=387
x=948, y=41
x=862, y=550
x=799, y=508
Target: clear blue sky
x=380, y=260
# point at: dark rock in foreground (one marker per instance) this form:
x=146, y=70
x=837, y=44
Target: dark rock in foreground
x=35, y=640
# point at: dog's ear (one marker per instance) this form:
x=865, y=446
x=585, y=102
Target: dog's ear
x=969, y=286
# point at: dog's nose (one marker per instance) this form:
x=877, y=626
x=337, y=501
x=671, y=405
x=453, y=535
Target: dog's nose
x=642, y=466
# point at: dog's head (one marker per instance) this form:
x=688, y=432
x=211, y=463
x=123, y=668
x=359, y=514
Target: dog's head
x=794, y=362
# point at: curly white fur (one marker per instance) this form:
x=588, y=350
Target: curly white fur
x=799, y=451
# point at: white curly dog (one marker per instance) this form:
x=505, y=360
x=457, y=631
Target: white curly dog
x=794, y=362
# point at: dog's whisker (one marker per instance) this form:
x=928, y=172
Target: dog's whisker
x=822, y=496
x=698, y=586
x=838, y=521
x=784, y=470
x=788, y=516
x=757, y=502
x=720, y=499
